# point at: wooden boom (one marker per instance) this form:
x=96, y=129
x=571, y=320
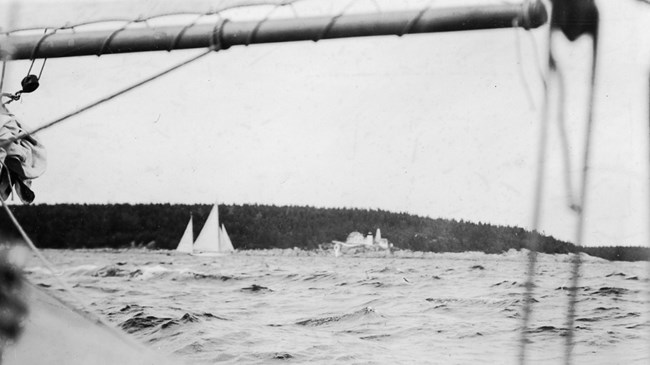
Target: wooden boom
x=230, y=33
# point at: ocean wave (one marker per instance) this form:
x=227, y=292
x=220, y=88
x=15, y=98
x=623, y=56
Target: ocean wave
x=363, y=313
x=611, y=290
x=140, y=321
x=589, y=319
x=606, y=308
x=389, y=270
x=110, y=271
x=506, y=283
x=179, y=306
x=615, y=274
x=145, y=273
x=81, y=270
x=319, y=276
x=482, y=301
x=547, y=329
x=129, y=308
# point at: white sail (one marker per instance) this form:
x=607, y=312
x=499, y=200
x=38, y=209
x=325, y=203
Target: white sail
x=208, y=239
x=378, y=236
x=186, y=242
x=225, y=244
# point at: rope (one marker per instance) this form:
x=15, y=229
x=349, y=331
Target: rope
x=580, y=211
x=37, y=47
x=332, y=21
x=520, y=68
x=648, y=263
x=253, y=34
x=409, y=26
x=2, y=75
x=564, y=143
x=180, y=34
x=107, y=42
x=42, y=67
x=533, y=240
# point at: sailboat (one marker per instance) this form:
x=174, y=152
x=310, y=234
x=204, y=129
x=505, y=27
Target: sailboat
x=212, y=241
x=186, y=242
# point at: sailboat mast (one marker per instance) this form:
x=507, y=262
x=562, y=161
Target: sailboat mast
x=231, y=33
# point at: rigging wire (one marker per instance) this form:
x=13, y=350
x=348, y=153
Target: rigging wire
x=648, y=262
x=414, y=21
x=564, y=142
x=329, y=25
x=253, y=34
x=533, y=239
x=180, y=34
x=580, y=211
x=42, y=67
x=35, y=51
x=573, y=20
x=2, y=74
x=107, y=42
x=587, y=23
x=520, y=66
x=536, y=57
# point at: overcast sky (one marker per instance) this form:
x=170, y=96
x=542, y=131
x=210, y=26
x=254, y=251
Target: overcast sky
x=437, y=125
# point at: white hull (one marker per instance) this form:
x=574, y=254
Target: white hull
x=211, y=254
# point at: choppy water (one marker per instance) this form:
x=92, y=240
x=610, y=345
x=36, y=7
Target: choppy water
x=275, y=307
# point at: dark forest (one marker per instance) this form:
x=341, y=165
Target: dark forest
x=262, y=226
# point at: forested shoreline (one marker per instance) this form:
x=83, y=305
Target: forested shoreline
x=252, y=226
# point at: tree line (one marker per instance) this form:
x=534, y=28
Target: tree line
x=253, y=226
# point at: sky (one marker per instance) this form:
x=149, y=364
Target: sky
x=438, y=125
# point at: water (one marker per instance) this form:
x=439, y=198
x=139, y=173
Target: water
x=274, y=306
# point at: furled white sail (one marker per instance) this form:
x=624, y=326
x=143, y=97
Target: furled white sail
x=225, y=244
x=186, y=242
x=208, y=239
